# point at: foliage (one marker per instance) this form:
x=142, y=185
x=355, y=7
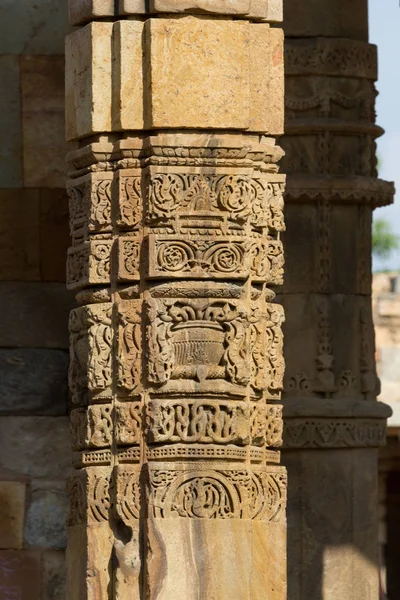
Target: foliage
x=384, y=241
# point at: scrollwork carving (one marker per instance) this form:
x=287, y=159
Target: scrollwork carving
x=214, y=493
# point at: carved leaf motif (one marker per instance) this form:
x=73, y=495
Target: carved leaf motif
x=129, y=342
x=130, y=201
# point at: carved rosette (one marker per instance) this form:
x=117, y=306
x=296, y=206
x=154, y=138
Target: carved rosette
x=176, y=346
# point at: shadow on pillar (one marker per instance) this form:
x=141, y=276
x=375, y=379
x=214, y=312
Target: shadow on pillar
x=332, y=524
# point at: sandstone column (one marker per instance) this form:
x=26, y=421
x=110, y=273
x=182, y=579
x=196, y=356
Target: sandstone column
x=333, y=424
x=176, y=346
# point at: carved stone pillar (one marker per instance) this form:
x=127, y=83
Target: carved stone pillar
x=176, y=345
x=333, y=424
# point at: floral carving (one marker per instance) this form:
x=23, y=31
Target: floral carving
x=128, y=493
x=90, y=498
x=217, y=493
x=89, y=264
x=90, y=350
x=93, y=427
x=129, y=200
x=128, y=423
x=128, y=259
x=230, y=200
x=89, y=206
x=129, y=346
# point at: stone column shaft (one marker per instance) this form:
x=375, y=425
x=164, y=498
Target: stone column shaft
x=333, y=424
x=176, y=345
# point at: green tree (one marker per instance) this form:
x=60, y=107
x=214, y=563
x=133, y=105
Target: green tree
x=384, y=241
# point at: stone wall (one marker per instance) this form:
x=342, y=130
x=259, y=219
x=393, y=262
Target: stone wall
x=34, y=305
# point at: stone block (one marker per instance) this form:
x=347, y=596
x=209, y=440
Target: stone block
x=266, y=79
x=42, y=85
x=35, y=446
x=20, y=575
x=46, y=515
x=12, y=511
x=200, y=78
x=33, y=381
x=129, y=7
x=89, y=80
x=331, y=18
x=54, y=575
x=34, y=315
x=222, y=7
x=83, y=11
x=54, y=234
x=203, y=78
x=28, y=27
x=19, y=235
x=10, y=122
x=128, y=105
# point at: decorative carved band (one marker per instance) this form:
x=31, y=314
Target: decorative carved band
x=330, y=56
x=333, y=433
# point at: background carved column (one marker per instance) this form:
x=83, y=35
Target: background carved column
x=333, y=424
x=176, y=346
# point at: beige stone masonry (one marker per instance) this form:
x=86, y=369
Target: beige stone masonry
x=82, y=11
x=190, y=81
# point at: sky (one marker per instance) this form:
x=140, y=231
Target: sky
x=384, y=23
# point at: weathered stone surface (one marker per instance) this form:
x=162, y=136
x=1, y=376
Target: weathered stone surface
x=128, y=94
x=83, y=11
x=88, y=80
x=19, y=235
x=35, y=446
x=20, y=574
x=42, y=87
x=221, y=91
x=10, y=122
x=42, y=26
x=34, y=315
x=89, y=553
x=266, y=79
x=195, y=82
x=12, y=512
x=45, y=524
x=33, y=381
x=54, y=575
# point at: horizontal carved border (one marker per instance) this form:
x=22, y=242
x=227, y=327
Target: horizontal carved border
x=333, y=57
x=334, y=433
x=340, y=190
